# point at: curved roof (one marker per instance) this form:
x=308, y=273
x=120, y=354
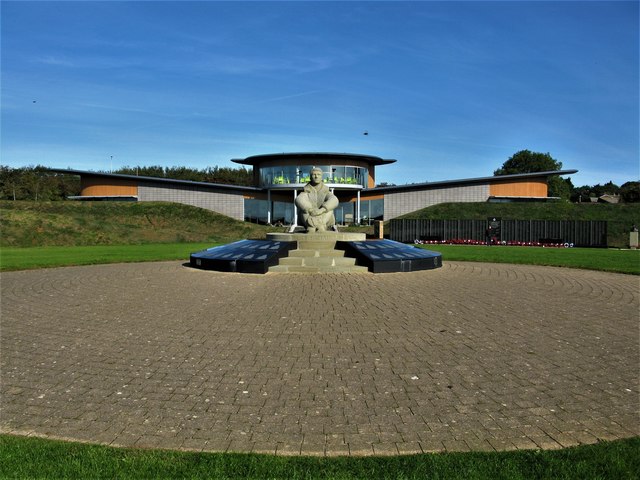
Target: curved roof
x=140, y=178
x=256, y=160
x=469, y=181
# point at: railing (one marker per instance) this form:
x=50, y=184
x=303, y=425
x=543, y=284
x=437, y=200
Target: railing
x=579, y=233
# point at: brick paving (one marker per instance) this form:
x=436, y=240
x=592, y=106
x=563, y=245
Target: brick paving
x=466, y=357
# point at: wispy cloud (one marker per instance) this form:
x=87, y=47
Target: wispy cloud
x=55, y=61
x=248, y=65
x=287, y=97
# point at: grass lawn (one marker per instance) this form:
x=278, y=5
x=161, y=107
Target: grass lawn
x=15, y=258
x=36, y=458
x=622, y=261
x=609, y=260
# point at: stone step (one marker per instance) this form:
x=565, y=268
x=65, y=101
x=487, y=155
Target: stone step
x=316, y=253
x=318, y=261
x=320, y=269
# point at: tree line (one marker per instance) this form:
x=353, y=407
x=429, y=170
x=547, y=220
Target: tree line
x=225, y=175
x=36, y=183
x=40, y=184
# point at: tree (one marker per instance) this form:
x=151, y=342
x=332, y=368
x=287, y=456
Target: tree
x=559, y=187
x=526, y=161
x=581, y=194
x=630, y=192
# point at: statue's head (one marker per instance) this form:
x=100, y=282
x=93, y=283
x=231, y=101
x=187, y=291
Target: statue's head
x=316, y=176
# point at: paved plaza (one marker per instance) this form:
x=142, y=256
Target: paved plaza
x=466, y=357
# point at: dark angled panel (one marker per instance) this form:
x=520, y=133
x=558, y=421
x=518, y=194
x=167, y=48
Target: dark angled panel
x=383, y=256
x=245, y=256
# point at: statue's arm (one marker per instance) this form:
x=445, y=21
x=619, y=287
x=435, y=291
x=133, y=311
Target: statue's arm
x=303, y=202
x=331, y=202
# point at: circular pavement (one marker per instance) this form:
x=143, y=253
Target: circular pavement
x=466, y=357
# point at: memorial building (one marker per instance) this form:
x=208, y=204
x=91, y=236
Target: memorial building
x=279, y=178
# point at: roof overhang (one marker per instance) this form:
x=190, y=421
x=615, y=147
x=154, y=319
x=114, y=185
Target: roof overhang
x=102, y=197
x=256, y=160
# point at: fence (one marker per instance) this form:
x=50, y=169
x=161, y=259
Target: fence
x=581, y=233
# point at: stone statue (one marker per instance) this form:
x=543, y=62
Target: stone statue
x=317, y=204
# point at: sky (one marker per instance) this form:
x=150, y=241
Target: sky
x=450, y=90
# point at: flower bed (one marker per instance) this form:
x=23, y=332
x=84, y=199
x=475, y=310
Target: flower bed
x=467, y=241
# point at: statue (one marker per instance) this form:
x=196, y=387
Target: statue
x=317, y=204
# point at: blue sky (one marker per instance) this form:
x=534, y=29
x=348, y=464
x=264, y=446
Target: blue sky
x=449, y=89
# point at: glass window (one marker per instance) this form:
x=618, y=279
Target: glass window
x=282, y=213
x=288, y=175
x=371, y=210
x=345, y=213
x=255, y=211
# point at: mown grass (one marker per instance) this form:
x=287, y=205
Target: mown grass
x=12, y=258
x=619, y=217
x=607, y=260
x=37, y=458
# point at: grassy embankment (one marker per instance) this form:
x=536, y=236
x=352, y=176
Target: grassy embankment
x=49, y=234
x=36, y=458
x=46, y=224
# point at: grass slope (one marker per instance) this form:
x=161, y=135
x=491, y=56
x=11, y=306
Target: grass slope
x=620, y=217
x=36, y=458
x=31, y=224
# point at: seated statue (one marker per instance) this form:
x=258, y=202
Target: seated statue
x=317, y=204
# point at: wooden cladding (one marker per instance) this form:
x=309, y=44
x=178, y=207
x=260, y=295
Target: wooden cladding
x=514, y=188
x=107, y=187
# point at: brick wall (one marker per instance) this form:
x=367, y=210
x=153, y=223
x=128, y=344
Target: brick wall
x=399, y=203
x=224, y=202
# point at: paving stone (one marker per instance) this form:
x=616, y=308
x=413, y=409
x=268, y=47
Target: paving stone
x=469, y=356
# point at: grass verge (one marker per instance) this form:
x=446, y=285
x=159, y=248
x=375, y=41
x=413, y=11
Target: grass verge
x=620, y=261
x=14, y=258
x=607, y=260
x=22, y=457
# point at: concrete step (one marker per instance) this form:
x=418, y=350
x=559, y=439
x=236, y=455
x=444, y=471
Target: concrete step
x=318, y=261
x=316, y=253
x=318, y=269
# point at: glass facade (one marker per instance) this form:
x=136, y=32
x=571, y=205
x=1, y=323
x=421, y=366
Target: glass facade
x=299, y=174
x=256, y=211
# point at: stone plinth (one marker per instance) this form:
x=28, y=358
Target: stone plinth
x=317, y=237
x=316, y=253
